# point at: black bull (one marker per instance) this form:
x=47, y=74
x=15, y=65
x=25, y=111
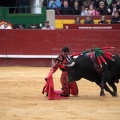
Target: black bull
x=85, y=68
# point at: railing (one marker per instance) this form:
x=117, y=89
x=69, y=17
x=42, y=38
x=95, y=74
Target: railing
x=23, y=15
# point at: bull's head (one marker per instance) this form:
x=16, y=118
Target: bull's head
x=72, y=72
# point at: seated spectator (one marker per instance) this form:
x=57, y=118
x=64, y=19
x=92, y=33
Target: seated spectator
x=34, y=26
x=21, y=26
x=102, y=9
x=48, y=26
x=5, y=25
x=113, y=7
x=65, y=9
x=97, y=2
x=56, y=5
x=116, y=18
x=84, y=11
x=77, y=20
x=103, y=20
x=88, y=20
x=92, y=11
x=76, y=10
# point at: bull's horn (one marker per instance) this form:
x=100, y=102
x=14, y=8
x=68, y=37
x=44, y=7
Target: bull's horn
x=70, y=65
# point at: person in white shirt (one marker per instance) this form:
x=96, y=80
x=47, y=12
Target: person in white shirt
x=48, y=26
x=5, y=25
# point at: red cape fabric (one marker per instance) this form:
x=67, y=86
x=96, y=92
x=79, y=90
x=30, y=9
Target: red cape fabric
x=49, y=88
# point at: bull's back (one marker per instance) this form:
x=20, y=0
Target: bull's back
x=85, y=64
x=86, y=68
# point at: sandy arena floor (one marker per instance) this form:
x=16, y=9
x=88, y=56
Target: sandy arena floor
x=21, y=98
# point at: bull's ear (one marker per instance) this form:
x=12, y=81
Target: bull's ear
x=70, y=65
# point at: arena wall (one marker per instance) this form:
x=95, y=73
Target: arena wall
x=31, y=47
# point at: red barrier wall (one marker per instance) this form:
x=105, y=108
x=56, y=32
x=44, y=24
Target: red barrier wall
x=41, y=42
x=3, y=41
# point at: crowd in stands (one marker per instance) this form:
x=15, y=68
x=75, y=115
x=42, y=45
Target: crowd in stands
x=88, y=20
x=78, y=8
x=115, y=19
x=83, y=7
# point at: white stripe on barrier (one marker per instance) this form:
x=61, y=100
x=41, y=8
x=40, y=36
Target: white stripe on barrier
x=30, y=56
x=3, y=56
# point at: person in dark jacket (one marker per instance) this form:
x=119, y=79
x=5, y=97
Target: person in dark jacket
x=96, y=3
x=113, y=7
x=66, y=9
x=76, y=10
x=102, y=9
x=88, y=20
x=116, y=18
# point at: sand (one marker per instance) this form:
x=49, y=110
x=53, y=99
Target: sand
x=21, y=98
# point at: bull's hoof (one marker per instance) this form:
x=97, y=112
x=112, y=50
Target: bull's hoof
x=102, y=94
x=114, y=95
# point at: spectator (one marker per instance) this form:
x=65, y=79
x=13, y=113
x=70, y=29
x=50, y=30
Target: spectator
x=96, y=3
x=21, y=26
x=48, y=26
x=116, y=18
x=34, y=26
x=6, y=25
x=65, y=9
x=102, y=10
x=84, y=11
x=76, y=9
x=113, y=7
x=103, y=20
x=88, y=20
x=92, y=11
x=77, y=20
x=56, y=5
